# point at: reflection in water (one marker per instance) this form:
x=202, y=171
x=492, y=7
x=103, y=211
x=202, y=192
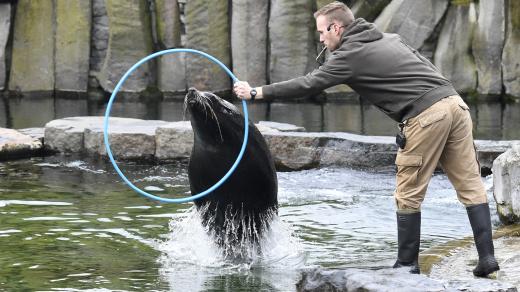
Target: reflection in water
x=493, y=121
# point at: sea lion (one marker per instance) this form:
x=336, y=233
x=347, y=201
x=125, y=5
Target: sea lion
x=239, y=210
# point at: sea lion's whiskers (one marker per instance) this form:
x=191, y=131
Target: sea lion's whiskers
x=216, y=121
x=205, y=101
x=184, y=109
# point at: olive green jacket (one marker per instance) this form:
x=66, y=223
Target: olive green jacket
x=380, y=67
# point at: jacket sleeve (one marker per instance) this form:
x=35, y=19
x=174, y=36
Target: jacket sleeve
x=336, y=70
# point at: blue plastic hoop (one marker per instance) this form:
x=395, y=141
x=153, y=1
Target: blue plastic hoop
x=107, y=115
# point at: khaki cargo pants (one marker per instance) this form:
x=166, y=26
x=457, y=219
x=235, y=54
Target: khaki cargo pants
x=441, y=133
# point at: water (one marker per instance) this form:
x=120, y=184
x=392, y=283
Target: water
x=493, y=121
x=459, y=265
x=71, y=225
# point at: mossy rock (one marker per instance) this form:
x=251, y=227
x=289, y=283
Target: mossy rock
x=32, y=65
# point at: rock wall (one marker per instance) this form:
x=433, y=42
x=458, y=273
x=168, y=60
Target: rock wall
x=72, y=55
x=5, y=25
x=415, y=20
x=369, y=9
x=453, y=53
x=511, y=55
x=249, y=50
x=32, y=67
x=292, y=40
x=80, y=45
x=129, y=40
x=99, y=37
x=488, y=45
x=172, y=67
x=207, y=29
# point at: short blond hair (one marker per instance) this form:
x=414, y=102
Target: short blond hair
x=336, y=11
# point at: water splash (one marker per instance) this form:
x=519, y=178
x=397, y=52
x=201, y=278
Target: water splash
x=190, y=242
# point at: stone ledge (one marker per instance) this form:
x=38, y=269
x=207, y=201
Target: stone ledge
x=14, y=144
x=292, y=148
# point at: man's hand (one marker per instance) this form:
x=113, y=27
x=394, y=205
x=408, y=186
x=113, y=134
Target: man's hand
x=242, y=89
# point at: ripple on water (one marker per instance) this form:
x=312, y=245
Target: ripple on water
x=4, y=203
x=50, y=218
x=76, y=164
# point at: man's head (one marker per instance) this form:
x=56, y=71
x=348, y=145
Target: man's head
x=331, y=21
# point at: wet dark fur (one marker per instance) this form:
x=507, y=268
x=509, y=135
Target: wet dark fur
x=240, y=210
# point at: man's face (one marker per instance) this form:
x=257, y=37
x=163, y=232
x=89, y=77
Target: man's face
x=330, y=38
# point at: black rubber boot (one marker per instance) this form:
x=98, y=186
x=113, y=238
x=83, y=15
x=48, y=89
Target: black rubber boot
x=408, y=241
x=480, y=221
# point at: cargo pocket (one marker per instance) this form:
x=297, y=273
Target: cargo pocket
x=431, y=118
x=408, y=167
x=463, y=105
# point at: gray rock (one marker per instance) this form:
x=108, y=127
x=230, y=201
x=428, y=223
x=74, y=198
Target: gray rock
x=99, y=36
x=128, y=138
x=292, y=31
x=369, y=9
x=385, y=17
x=344, y=149
x=389, y=280
x=506, y=185
x=413, y=20
x=5, y=24
x=511, y=54
x=172, y=67
x=129, y=41
x=66, y=135
x=14, y=144
x=249, y=50
x=207, y=29
x=35, y=133
x=488, y=44
x=296, y=151
x=174, y=141
x=168, y=23
x=293, y=151
x=73, y=23
x=32, y=64
x=452, y=55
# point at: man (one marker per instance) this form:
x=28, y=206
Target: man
x=435, y=124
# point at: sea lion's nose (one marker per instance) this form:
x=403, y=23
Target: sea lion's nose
x=192, y=91
x=191, y=95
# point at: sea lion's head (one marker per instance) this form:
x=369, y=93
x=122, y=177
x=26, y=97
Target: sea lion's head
x=213, y=119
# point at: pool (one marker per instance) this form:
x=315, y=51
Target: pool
x=68, y=223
